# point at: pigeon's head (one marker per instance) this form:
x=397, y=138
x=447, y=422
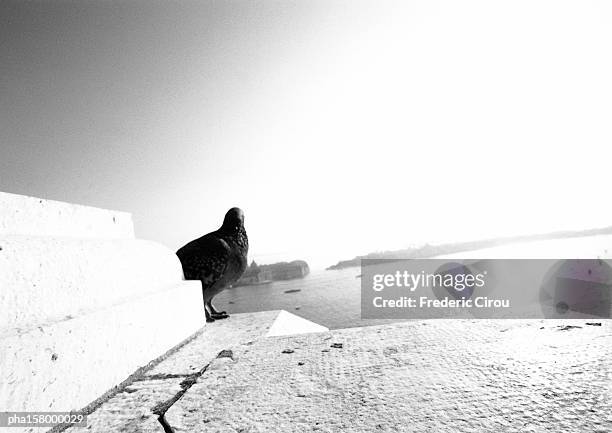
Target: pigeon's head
x=234, y=220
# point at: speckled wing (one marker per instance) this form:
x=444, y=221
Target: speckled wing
x=205, y=259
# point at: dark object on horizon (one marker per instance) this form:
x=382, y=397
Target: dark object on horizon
x=568, y=327
x=427, y=250
x=217, y=259
x=263, y=274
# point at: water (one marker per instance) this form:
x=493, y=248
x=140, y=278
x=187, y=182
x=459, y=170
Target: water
x=329, y=298
x=333, y=298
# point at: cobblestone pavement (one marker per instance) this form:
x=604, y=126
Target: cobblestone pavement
x=432, y=376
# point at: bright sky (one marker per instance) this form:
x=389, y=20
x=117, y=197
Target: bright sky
x=340, y=127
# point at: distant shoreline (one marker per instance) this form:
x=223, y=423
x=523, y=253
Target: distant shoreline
x=427, y=251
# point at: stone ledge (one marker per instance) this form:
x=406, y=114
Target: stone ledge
x=48, y=279
x=23, y=215
x=66, y=365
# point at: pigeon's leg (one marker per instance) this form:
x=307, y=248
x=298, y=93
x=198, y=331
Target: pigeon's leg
x=214, y=313
x=209, y=317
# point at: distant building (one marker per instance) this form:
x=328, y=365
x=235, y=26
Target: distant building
x=288, y=271
x=256, y=274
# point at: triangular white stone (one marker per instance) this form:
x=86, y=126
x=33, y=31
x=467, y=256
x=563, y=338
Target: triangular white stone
x=290, y=324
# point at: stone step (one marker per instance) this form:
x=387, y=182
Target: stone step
x=68, y=364
x=84, y=304
x=22, y=215
x=48, y=279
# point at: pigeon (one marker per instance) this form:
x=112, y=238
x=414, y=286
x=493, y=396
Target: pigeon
x=217, y=259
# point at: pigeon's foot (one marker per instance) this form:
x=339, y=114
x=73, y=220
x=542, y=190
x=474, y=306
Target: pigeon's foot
x=209, y=320
x=217, y=316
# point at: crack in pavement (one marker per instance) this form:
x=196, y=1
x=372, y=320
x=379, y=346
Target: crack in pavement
x=138, y=376
x=160, y=409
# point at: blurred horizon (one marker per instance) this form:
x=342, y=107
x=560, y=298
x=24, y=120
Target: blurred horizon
x=340, y=127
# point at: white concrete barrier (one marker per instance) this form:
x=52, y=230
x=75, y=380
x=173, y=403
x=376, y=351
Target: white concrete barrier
x=21, y=215
x=83, y=304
